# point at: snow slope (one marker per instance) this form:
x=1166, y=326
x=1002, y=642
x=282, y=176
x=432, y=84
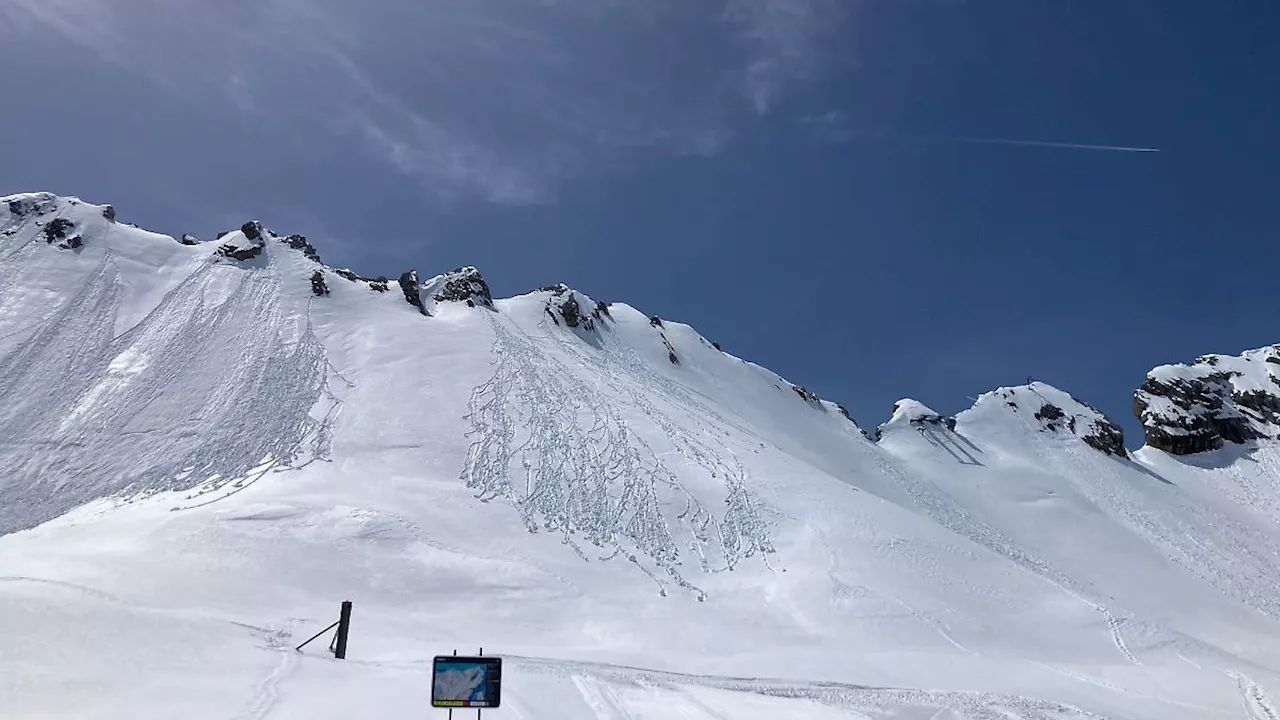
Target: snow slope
x=207, y=446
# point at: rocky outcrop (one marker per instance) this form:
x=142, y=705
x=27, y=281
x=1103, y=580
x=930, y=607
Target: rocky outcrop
x=806, y=394
x=1052, y=411
x=379, y=284
x=23, y=207
x=410, y=286
x=672, y=357
x=464, y=284
x=62, y=232
x=243, y=245
x=109, y=213
x=299, y=242
x=252, y=230
x=1218, y=399
x=189, y=239
x=319, y=287
x=567, y=306
x=914, y=414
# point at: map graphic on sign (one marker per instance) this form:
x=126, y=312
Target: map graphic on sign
x=464, y=682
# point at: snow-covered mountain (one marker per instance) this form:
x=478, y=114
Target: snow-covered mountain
x=207, y=445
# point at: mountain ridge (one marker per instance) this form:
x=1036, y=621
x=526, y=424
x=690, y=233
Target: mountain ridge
x=204, y=450
x=1190, y=399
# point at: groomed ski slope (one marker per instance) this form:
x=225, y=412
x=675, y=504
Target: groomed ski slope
x=202, y=458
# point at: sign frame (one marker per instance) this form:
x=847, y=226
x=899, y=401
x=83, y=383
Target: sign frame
x=493, y=681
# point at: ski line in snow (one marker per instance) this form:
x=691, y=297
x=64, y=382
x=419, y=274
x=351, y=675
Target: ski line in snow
x=1257, y=704
x=976, y=705
x=861, y=698
x=267, y=695
x=1096, y=682
x=941, y=507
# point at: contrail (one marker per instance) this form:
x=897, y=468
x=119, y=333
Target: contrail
x=1043, y=143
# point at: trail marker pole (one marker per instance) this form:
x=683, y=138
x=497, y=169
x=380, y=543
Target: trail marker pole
x=337, y=646
x=344, y=627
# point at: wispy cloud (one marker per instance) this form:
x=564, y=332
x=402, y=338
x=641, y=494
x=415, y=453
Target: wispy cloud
x=829, y=126
x=496, y=100
x=787, y=41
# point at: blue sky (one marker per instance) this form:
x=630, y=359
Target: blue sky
x=799, y=179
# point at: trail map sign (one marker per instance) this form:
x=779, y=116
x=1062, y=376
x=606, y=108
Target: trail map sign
x=466, y=682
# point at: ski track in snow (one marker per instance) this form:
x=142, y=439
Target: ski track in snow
x=938, y=505
x=1257, y=704
x=267, y=695
x=587, y=472
x=194, y=396
x=872, y=701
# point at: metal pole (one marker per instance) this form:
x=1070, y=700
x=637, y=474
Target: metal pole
x=344, y=626
x=313, y=637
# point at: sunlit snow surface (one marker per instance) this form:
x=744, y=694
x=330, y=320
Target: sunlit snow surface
x=201, y=459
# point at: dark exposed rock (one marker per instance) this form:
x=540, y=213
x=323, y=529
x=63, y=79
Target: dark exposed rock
x=463, y=284
x=109, y=213
x=1106, y=437
x=299, y=242
x=240, y=252
x=319, y=287
x=570, y=310
x=247, y=247
x=716, y=345
x=1049, y=415
x=807, y=394
x=409, y=285
x=356, y=277
x=671, y=351
x=601, y=311
x=912, y=414
x=252, y=230
x=72, y=243
x=569, y=306
x=935, y=419
x=1203, y=415
x=37, y=204
x=189, y=239
x=381, y=285
x=655, y=321
x=1263, y=406
x=57, y=230
x=1049, y=411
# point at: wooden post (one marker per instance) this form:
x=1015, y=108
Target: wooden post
x=344, y=626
